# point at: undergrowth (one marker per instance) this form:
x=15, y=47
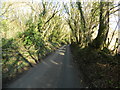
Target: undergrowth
x=101, y=69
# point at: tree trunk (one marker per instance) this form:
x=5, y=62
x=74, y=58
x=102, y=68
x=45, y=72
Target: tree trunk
x=103, y=26
x=83, y=23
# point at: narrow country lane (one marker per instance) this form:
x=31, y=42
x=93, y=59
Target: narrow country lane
x=56, y=71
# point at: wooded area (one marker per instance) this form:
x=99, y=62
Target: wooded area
x=30, y=31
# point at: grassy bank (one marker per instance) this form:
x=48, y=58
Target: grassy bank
x=100, y=69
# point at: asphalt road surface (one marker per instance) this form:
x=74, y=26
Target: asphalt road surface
x=56, y=71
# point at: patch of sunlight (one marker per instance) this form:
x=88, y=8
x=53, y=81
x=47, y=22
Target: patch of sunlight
x=54, y=62
x=62, y=53
x=102, y=65
x=32, y=61
x=26, y=68
x=45, y=63
x=62, y=50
